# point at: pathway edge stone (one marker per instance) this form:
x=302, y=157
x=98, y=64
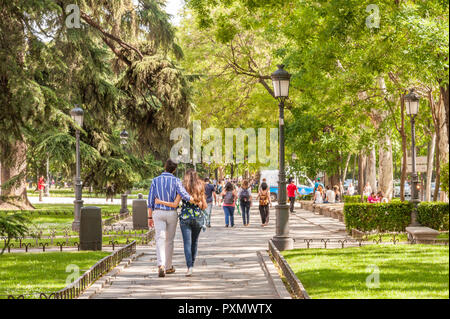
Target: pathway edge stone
x=273, y=276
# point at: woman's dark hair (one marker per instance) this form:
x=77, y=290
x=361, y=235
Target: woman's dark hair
x=229, y=187
x=264, y=186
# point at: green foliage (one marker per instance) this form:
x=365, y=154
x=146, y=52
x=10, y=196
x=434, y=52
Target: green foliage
x=354, y=199
x=12, y=226
x=433, y=215
x=380, y=217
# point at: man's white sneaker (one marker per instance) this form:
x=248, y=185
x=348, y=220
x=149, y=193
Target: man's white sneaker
x=189, y=272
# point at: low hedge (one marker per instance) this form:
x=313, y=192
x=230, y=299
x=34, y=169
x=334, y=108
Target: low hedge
x=382, y=217
x=354, y=199
x=433, y=215
x=394, y=216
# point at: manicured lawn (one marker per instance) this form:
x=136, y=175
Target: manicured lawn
x=28, y=273
x=405, y=271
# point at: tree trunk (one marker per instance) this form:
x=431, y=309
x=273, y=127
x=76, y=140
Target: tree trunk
x=344, y=173
x=13, y=173
x=354, y=169
x=443, y=143
x=445, y=97
x=430, y=157
x=372, y=169
x=361, y=169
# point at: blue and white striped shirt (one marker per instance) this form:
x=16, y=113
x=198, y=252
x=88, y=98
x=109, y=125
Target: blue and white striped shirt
x=165, y=187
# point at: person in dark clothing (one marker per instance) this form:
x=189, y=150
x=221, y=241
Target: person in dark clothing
x=245, y=198
x=264, y=202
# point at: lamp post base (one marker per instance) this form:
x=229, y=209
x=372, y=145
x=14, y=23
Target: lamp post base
x=124, y=208
x=78, y=203
x=76, y=226
x=283, y=243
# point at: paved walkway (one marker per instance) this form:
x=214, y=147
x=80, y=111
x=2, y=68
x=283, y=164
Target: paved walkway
x=227, y=265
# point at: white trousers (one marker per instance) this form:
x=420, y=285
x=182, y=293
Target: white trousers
x=165, y=226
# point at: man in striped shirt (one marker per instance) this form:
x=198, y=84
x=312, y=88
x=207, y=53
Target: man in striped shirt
x=165, y=187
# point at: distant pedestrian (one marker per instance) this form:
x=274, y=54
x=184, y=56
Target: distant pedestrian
x=318, y=195
x=264, y=202
x=41, y=187
x=337, y=194
x=351, y=190
x=229, y=201
x=292, y=191
x=210, y=193
x=367, y=190
x=245, y=199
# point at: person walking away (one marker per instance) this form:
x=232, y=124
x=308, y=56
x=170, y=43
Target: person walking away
x=292, y=191
x=219, y=190
x=41, y=187
x=229, y=201
x=164, y=218
x=245, y=199
x=330, y=196
x=238, y=203
x=210, y=193
x=318, y=195
x=264, y=202
x=192, y=216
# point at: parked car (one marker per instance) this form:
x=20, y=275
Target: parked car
x=271, y=177
x=407, y=190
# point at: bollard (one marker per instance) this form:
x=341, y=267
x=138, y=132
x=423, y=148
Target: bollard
x=140, y=220
x=124, y=200
x=91, y=228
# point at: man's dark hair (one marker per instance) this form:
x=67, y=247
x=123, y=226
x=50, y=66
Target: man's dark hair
x=264, y=186
x=170, y=166
x=206, y=180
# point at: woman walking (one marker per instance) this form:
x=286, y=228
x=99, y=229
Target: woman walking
x=192, y=217
x=229, y=201
x=264, y=202
x=245, y=199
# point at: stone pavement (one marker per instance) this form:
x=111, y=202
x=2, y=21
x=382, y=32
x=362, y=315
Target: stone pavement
x=227, y=265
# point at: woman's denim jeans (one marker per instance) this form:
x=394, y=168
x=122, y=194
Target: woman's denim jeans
x=229, y=215
x=245, y=206
x=190, y=229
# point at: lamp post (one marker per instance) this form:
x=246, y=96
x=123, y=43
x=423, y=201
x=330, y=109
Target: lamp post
x=124, y=197
x=412, y=108
x=47, y=186
x=77, y=114
x=281, y=240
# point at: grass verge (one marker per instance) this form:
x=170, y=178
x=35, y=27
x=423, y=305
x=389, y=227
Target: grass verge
x=405, y=271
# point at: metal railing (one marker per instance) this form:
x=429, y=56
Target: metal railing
x=292, y=280
x=75, y=289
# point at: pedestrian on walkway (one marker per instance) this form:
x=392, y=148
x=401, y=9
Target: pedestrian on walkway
x=245, y=199
x=164, y=218
x=219, y=190
x=351, y=190
x=192, y=216
x=229, y=201
x=367, y=190
x=264, y=202
x=337, y=194
x=292, y=191
x=210, y=193
x=41, y=187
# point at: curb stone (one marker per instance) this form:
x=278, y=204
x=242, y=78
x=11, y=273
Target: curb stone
x=273, y=276
x=107, y=279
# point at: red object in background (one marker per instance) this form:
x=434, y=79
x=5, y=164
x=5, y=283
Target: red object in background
x=291, y=190
x=41, y=184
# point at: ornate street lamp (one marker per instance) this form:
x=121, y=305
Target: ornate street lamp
x=77, y=114
x=124, y=197
x=281, y=79
x=412, y=108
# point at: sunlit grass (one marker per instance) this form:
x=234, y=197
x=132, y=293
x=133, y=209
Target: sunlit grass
x=405, y=271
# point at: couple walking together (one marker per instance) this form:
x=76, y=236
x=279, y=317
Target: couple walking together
x=165, y=194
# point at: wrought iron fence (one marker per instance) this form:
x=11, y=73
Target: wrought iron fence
x=75, y=289
x=292, y=280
